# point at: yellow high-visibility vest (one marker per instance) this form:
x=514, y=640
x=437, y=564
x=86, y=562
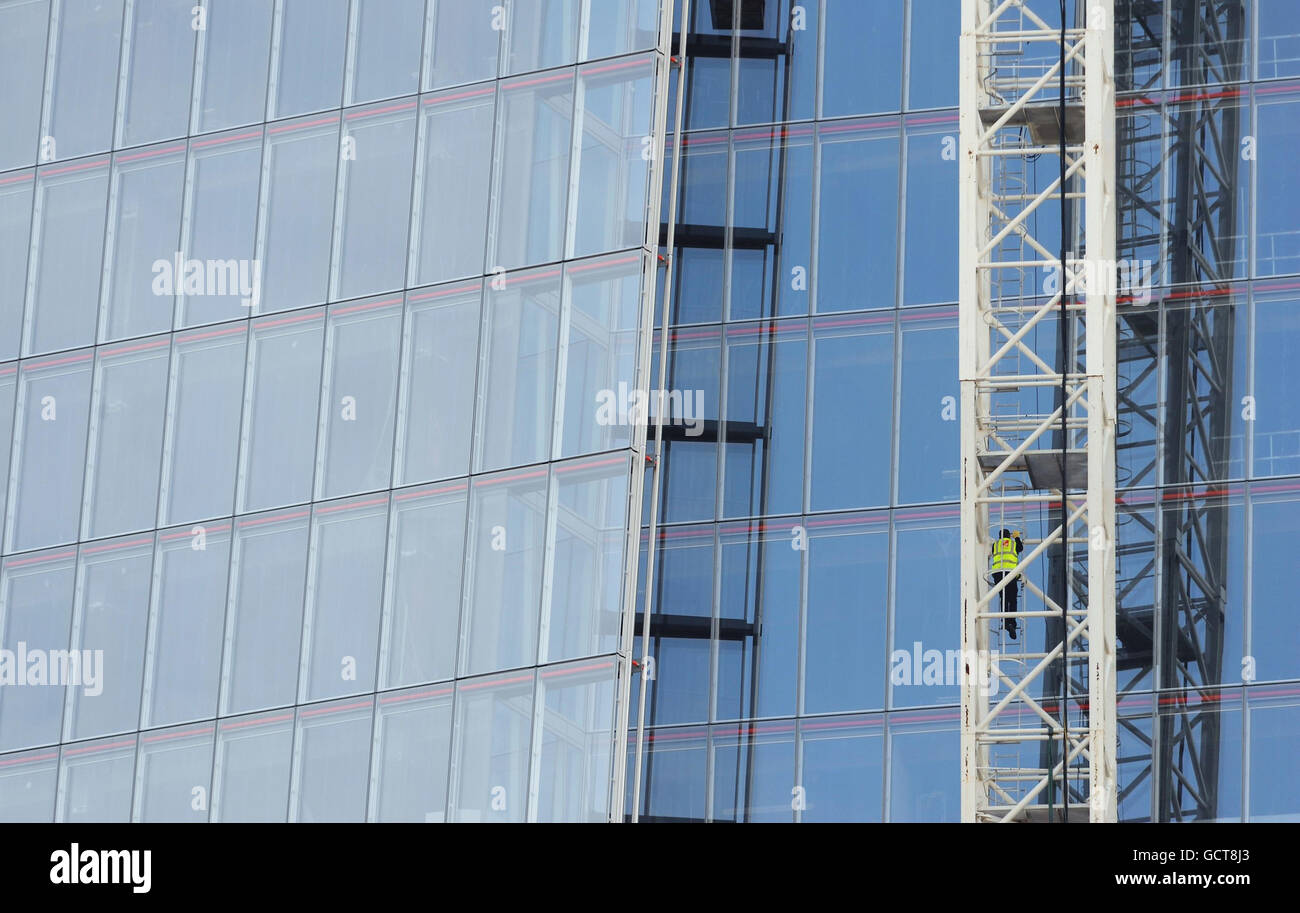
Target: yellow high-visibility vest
x=1004, y=555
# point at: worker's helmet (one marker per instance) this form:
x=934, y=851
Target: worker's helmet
x=1006, y=534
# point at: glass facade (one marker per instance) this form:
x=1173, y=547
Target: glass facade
x=318, y=322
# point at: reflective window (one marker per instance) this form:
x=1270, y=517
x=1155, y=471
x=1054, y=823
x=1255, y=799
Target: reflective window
x=439, y=363
x=930, y=245
x=541, y=35
x=928, y=441
x=494, y=721
x=126, y=433
x=35, y=609
x=1204, y=778
x=359, y=397
x=933, y=55
x=236, y=49
x=385, y=52
x=1274, y=739
x=250, y=774
x=465, y=43
x=264, y=613
x=690, y=485
x=778, y=86
x=27, y=787
x=49, y=452
x=843, y=769
x=1274, y=636
x=173, y=775
x=855, y=32
x=681, y=627
x=422, y=605
x=8, y=392
x=108, y=628
x=701, y=233
x=620, y=27
x=331, y=757
x=1279, y=34
x=87, y=36
x=412, y=761
x=924, y=765
x=345, y=583
x=575, y=741
x=927, y=603
x=753, y=774
x=186, y=624
x=16, y=196
x=674, y=776
x=95, y=781
x=1276, y=425
x=23, y=26
x=1277, y=237
x=159, y=61
x=310, y=50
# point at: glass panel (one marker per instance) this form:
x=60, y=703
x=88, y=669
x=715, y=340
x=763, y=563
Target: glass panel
x=412, y=756
x=856, y=256
x=753, y=774
x=385, y=49
x=1203, y=734
x=422, y=604
x=494, y=720
x=359, y=398
x=126, y=434
x=933, y=56
x=331, y=758
x=35, y=610
x=143, y=232
x=280, y=402
x=1274, y=741
x=236, y=58
x=690, y=485
x=1279, y=39
x=616, y=114
x=681, y=626
x=68, y=248
x=264, y=612
x=201, y=444
x=439, y=363
x=1274, y=637
x=930, y=261
x=1276, y=413
x=95, y=781
x=220, y=228
x=1277, y=235
x=310, y=51
x=79, y=115
x=371, y=240
x=506, y=539
x=532, y=179
x=183, y=657
x=856, y=32
x=620, y=27
x=924, y=766
x=466, y=40
x=48, y=452
x=675, y=779
x=541, y=34
x=523, y=327
x=297, y=211
x=27, y=787
x=23, y=28
x=848, y=573
x=174, y=775
x=843, y=769
x=778, y=62
x=17, y=192
x=108, y=630
x=853, y=380
x=584, y=613
x=453, y=173
x=250, y=777
x=8, y=391
x=928, y=441
x=576, y=741
x=345, y=573
x=927, y=584
x=159, y=71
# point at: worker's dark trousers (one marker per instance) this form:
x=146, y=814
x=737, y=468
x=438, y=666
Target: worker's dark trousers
x=1009, y=595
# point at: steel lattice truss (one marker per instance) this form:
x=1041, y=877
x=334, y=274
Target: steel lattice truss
x=1012, y=115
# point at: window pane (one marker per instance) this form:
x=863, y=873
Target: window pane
x=143, y=232
x=386, y=49
x=201, y=449
x=1277, y=241
x=542, y=34
x=1279, y=34
x=753, y=774
x=853, y=380
x=690, y=488
x=95, y=781
x=36, y=610
x=413, y=756
x=454, y=170
x=331, y=757
x=63, y=279
x=927, y=602
x=843, y=770
x=932, y=80
x=360, y=397
x=675, y=784
x=928, y=442
x=1274, y=722
x=183, y=659
x=848, y=572
x=930, y=261
x=27, y=787
x=108, y=627
x=523, y=325
x=236, y=55
x=173, y=775
x=280, y=402
x=856, y=256
x=8, y=392
x=422, y=606
x=49, y=452
x=79, y=116
x=506, y=539
x=583, y=616
x=125, y=439
x=16, y=196
x=23, y=27
x=310, y=52
x=439, y=363
x=494, y=718
x=681, y=626
x=616, y=114
x=297, y=212
x=345, y=573
x=532, y=181
x=250, y=777
x=620, y=27
x=764, y=95
x=1276, y=425
x=576, y=741
x=924, y=781
x=264, y=612
x=466, y=38
x=855, y=32
x=1274, y=638
x=376, y=188
x=160, y=68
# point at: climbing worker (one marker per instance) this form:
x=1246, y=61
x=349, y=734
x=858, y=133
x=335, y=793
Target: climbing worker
x=1006, y=558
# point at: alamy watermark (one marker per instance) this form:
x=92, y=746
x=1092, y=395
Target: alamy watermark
x=57, y=668
x=1130, y=279
x=626, y=406
x=242, y=278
